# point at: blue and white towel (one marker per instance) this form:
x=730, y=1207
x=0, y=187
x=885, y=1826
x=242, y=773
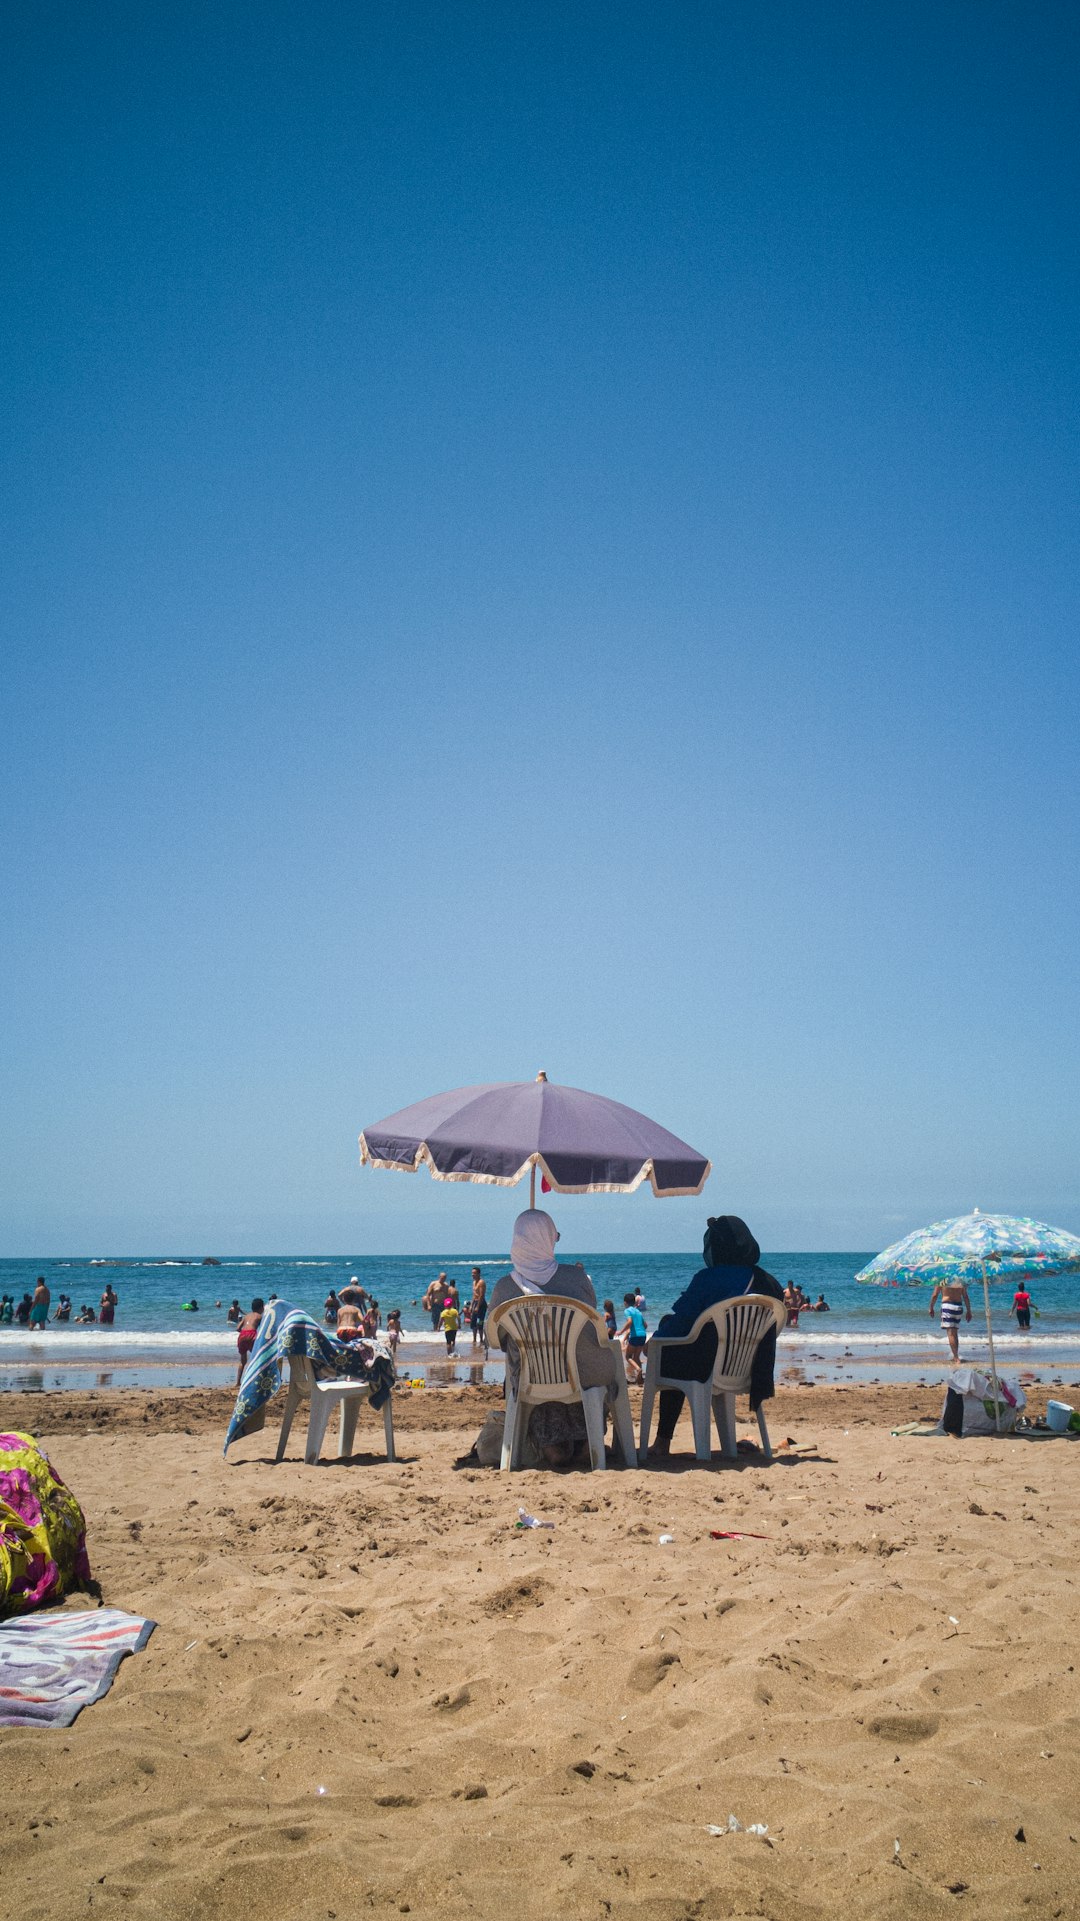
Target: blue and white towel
x=286, y=1330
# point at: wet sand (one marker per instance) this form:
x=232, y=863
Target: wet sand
x=539, y=1724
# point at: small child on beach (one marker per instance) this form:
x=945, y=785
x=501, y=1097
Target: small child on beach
x=245, y=1334
x=634, y=1336
x=393, y=1328
x=449, y=1321
x=609, y=1318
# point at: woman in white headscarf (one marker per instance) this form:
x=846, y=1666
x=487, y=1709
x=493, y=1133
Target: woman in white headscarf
x=556, y=1429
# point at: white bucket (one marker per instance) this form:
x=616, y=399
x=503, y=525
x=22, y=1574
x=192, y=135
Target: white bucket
x=1058, y=1416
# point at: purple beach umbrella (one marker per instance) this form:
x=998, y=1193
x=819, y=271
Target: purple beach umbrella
x=582, y=1143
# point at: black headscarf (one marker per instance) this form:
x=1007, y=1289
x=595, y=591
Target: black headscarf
x=729, y=1243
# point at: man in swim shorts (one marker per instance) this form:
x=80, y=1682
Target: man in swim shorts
x=39, y=1308
x=954, y=1302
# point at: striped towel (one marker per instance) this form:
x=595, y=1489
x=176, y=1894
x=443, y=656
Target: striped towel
x=284, y=1330
x=54, y=1664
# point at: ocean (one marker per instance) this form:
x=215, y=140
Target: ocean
x=869, y=1334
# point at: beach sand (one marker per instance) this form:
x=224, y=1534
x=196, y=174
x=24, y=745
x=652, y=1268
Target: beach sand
x=543, y=1724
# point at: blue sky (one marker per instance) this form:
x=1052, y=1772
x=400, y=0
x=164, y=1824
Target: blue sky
x=537, y=537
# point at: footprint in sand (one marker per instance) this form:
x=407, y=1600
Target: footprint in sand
x=649, y=1670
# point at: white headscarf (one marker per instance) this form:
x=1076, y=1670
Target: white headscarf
x=532, y=1250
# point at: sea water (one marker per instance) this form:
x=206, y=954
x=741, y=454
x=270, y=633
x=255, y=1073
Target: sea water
x=869, y=1332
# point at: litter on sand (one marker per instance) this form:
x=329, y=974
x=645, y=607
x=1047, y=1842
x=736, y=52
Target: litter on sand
x=530, y=1520
x=734, y=1534
x=735, y=1826
x=666, y=1540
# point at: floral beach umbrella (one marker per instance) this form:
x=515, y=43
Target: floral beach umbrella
x=1007, y=1247
x=977, y=1247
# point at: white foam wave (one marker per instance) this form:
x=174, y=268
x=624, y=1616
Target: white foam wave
x=77, y=1341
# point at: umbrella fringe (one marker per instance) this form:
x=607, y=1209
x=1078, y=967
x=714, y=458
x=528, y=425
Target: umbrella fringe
x=424, y=1157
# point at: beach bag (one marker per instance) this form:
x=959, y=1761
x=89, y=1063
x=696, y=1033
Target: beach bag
x=42, y=1531
x=969, y=1404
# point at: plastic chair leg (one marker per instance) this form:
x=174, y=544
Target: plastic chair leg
x=766, y=1444
x=624, y=1426
x=522, y=1410
x=510, y=1419
x=350, y=1405
x=291, y=1399
x=647, y=1398
x=388, y=1427
x=592, y=1401
x=697, y=1393
x=320, y=1414
x=724, y=1411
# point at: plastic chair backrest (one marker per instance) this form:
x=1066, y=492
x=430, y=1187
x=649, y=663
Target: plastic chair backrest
x=545, y=1328
x=302, y=1372
x=741, y=1326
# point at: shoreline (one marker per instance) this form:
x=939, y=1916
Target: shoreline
x=129, y=1368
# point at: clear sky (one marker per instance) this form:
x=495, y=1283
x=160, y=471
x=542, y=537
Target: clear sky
x=537, y=536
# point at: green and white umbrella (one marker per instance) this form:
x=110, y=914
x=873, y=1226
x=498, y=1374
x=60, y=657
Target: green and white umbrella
x=977, y=1247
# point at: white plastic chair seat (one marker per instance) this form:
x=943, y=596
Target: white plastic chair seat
x=741, y=1326
x=545, y=1329
x=324, y=1397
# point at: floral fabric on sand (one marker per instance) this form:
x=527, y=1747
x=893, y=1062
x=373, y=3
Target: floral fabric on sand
x=42, y=1531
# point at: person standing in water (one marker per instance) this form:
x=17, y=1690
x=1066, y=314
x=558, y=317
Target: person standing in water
x=954, y=1302
x=434, y=1296
x=1022, y=1306
x=108, y=1306
x=479, y=1308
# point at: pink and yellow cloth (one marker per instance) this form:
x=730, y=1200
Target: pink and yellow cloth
x=42, y=1531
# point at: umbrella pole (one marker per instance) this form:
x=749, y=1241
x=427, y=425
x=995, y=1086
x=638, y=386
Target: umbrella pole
x=993, y=1361
x=532, y=1190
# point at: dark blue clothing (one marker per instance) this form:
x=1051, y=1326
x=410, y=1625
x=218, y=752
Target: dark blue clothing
x=711, y=1285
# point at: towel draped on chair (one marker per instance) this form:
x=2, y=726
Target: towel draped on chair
x=284, y=1330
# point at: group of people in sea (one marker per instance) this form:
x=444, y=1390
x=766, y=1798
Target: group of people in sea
x=33, y=1309
x=442, y=1301
x=797, y=1302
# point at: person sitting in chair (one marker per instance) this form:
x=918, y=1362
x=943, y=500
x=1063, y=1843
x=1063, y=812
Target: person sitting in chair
x=556, y=1428
x=731, y=1257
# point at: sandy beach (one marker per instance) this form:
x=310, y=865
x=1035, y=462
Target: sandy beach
x=369, y=1692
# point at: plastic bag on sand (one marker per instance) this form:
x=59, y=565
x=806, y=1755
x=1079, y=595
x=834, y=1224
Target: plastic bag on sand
x=969, y=1404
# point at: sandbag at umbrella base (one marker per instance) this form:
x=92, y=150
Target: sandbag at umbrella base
x=969, y=1404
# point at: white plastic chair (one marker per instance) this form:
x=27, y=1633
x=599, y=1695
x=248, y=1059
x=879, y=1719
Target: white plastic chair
x=545, y=1330
x=741, y=1326
x=324, y=1396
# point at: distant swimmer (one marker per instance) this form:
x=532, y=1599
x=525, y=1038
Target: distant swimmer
x=108, y=1306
